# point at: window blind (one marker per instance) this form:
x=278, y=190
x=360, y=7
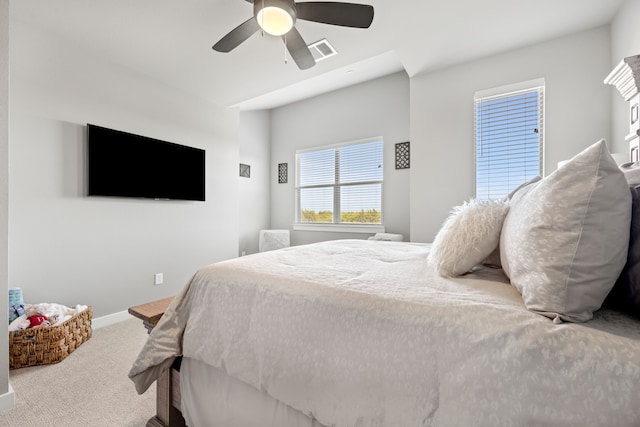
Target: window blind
x=509, y=141
x=340, y=184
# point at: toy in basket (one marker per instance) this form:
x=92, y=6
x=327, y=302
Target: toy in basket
x=47, y=333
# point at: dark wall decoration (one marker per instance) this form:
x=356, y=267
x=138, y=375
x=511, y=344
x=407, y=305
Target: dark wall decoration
x=402, y=155
x=245, y=171
x=283, y=173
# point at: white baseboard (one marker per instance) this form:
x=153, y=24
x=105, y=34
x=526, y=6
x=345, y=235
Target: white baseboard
x=7, y=400
x=110, y=319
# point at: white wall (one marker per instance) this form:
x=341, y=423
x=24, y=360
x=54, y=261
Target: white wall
x=68, y=248
x=255, y=129
x=6, y=396
x=376, y=108
x=625, y=41
x=577, y=114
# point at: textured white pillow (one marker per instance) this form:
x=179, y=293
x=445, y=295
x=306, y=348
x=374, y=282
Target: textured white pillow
x=387, y=237
x=631, y=172
x=468, y=236
x=494, y=257
x=564, y=241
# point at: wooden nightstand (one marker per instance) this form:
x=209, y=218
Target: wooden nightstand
x=151, y=312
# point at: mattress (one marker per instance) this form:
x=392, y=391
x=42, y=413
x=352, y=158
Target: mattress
x=212, y=398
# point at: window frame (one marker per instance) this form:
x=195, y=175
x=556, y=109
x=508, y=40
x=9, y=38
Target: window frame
x=338, y=226
x=505, y=92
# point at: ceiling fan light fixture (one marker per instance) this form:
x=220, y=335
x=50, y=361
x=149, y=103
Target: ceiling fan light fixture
x=275, y=21
x=275, y=17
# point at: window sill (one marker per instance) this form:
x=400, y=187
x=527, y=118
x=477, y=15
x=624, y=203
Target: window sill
x=341, y=228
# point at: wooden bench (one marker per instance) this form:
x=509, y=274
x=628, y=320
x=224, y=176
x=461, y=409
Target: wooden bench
x=151, y=312
x=168, y=397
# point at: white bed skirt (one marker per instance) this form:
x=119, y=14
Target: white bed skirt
x=211, y=398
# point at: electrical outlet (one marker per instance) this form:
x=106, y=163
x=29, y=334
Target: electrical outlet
x=159, y=279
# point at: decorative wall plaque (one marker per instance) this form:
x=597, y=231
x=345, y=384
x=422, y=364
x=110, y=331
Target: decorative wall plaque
x=245, y=170
x=282, y=173
x=402, y=155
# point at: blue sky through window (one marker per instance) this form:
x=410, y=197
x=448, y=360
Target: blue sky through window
x=508, y=142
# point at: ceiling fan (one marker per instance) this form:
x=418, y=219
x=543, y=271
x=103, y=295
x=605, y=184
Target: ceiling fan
x=278, y=17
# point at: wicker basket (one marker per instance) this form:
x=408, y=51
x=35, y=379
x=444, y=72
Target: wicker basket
x=48, y=344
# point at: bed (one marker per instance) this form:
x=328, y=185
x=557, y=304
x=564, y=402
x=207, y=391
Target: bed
x=359, y=333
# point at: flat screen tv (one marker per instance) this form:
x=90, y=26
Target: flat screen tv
x=122, y=164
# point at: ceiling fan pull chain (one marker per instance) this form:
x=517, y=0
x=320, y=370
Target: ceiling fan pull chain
x=262, y=19
x=285, y=49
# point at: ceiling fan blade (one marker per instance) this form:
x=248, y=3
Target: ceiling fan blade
x=335, y=13
x=298, y=49
x=236, y=36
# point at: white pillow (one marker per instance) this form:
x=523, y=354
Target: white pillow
x=387, y=237
x=493, y=259
x=564, y=241
x=468, y=236
x=631, y=172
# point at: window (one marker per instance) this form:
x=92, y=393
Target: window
x=340, y=184
x=508, y=139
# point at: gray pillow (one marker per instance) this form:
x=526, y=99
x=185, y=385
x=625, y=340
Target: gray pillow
x=625, y=294
x=564, y=241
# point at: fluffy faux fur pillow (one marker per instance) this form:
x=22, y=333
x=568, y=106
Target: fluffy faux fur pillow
x=468, y=236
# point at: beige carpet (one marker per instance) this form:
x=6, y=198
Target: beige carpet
x=89, y=388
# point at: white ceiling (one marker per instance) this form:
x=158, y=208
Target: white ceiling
x=170, y=40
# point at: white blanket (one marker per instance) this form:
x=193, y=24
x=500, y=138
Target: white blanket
x=360, y=333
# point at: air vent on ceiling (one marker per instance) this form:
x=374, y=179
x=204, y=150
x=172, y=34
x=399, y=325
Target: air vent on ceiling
x=322, y=49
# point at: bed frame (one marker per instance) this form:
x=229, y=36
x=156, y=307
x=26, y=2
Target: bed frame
x=168, y=398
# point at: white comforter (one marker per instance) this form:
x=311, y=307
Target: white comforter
x=362, y=333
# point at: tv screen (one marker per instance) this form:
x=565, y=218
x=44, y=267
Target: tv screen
x=122, y=164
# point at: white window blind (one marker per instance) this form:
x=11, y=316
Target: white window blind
x=340, y=184
x=509, y=141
